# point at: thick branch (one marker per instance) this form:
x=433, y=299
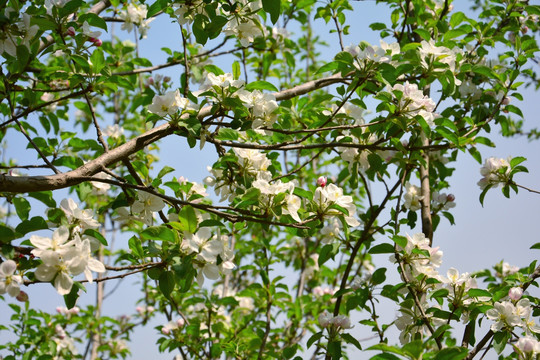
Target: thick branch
x=23, y=184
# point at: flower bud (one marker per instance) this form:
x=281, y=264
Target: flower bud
x=98, y=42
x=526, y=344
x=321, y=181
x=342, y=321
x=515, y=293
x=70, y=31
x=325, y=318
x=450, y=197
x=165, y=330
x=166, y=79
x=506, y=100
x=180, y=322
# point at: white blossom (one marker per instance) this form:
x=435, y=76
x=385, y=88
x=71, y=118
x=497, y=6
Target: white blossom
x=85, y=218
x=495, y=171
x=9, y=282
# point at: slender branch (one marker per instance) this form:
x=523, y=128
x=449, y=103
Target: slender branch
x=36, y=147
x=526, y=188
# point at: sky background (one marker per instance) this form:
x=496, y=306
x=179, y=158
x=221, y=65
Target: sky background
x=504, y=229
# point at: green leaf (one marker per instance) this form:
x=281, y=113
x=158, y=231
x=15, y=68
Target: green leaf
x=7, y=234
x=385, y=356
x=159, y=233
x=536, y=246
x=400, y=240
x=94, y=20
x=478, y=293
x=447, y=134
x=500, y=339
x=71, y=298
x=414, y=349
x=351, y=340
x=188, y=218
x=165, y=170
x=98, y=60
x=451, y=353
x=325, y=254
x=22, y=207
x=211, y=222
x=166, y=283
x=517, y=160
x=236, y=70
x=34, y=224
x=261, y=85
x=334, y=349
x=383, y=248
x=135, y=246
x=70, y=7
x=424, y=34
x=97, y=235
x=314, y=338
x=272, y=7
x=156, y=7
x=379, y=276
x=332, y=66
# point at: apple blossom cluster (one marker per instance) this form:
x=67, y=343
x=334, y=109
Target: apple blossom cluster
x=419, y=257
x=325, y=197
x=430, y=53
x=368, y=54
x=412, y=102
x=252, y=164
x=262, y=106
x=63, y=256
x=142, y=209
x=242, y=19
x=21, y=34
x=331, y=231
x=495, y=171
x=413, y=197
x=409, y=323
x=244, y=23
x=268, y=195
x=327, y=320
x=172, y=326
x=442, y=201
x=135, y=15
x=458, y=285
x=511, y=313
x=209, y=247
x=529, y=346
x=170, y=103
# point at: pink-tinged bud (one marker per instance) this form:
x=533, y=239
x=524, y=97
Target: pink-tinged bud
x=321, y=181
x=165, y=330
x=59, y=310
x=515, y=293
x=74, y=310
x=139, y=309
x=526, y=344
x=342, y=321
x=325, y=318
x=98, y=42
x=22, y=297
x=166, y=79
x=150, y=81
x=180, y=322
x=450, y=197
x=524, y=29
x=70, y=31
x=506, y=101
